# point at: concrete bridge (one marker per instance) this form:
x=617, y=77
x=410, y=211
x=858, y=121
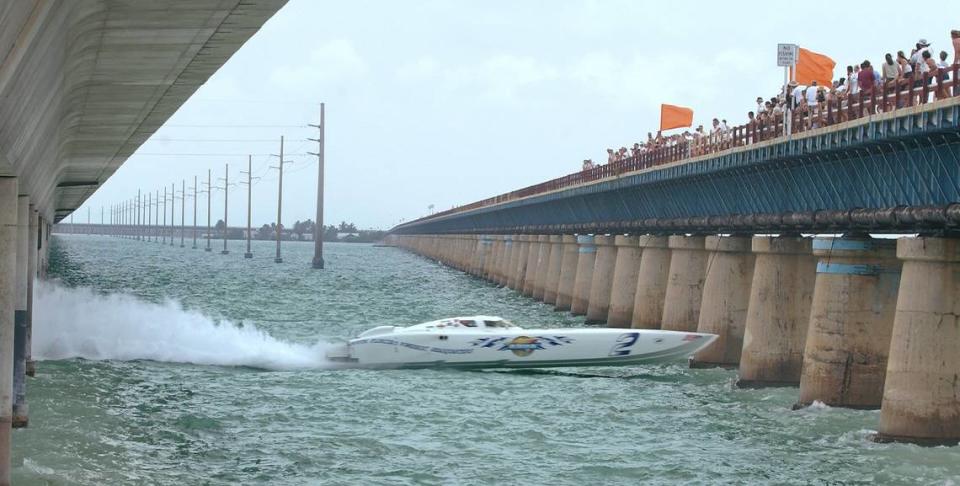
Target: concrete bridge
x=83, y=83
x=708, y=238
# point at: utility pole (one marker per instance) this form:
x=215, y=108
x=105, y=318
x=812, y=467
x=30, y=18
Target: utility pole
x=249, y=183
x=209, y=199
x=164, y=232
x=194, y=212
x=226, y=192
x=183, y=210
x=173, y=209
x=278, y=258
x=149, y=216
x=156, y=219
x=139, y=220
x=318, y=224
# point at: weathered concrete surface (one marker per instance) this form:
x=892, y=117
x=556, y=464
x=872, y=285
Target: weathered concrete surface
x=543, y=264
x=726, y=295
x=552, y=283
x=20, y=409
x=921, y=395
x=779, y=312
x=624, y=287
x=598, y=304
x=533, y=260
x=570, y=256
x=8, y=272
x=688, y=265
x=651, y=282
x=86, y=82
x=851, y=321
x=586, y=258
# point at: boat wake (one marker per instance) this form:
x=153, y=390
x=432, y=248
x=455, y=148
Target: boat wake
x=81, y=323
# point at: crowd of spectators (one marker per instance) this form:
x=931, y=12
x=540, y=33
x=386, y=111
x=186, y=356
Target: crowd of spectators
x=902, y=72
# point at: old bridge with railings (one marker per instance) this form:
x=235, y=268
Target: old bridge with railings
x=664, y=241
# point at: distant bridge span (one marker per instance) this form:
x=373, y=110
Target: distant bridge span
x=892, y=172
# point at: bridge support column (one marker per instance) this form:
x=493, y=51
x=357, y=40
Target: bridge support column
x=554, y=262
x=851, y=321
x=602, y=282
x=518, y=261
x=8, y=300
x=20, y=409
x=586, y=259
x=779, y=311
x=569, y=259
x=503, y=266
x=543, y=265
x=530, y=272
x=33, y=245
x=624, y=286
x=921, y=398
x=490, y=265
x=688, y=264
x=726, y=295
x=651, y=282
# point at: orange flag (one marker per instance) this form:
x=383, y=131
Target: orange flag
x=675, y=117
x=812, y=66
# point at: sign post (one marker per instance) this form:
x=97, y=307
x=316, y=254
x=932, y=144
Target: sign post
x=787, y=58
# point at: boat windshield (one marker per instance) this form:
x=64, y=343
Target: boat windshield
x=502, y=324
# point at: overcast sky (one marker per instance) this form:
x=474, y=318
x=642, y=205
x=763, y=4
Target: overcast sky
x=448, y=102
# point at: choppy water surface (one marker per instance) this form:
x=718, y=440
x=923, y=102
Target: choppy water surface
x=202, y=368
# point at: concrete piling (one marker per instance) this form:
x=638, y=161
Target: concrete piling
x=33, y=245
x=543, y=264
x=530, y=271
x=20, y=409
x=602, y=282
x=779, y=311
x=851, y=321
x=624, y=285
x=8, y=290
x=586, y=258
x=503, y=266
x=554, y=262
x=921, y=395
x=726, y=295
x=569, y=260
x=688, y=264
x=518, y=262
x=652, y=278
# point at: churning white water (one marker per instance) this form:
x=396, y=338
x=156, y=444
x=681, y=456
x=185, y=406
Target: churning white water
x=81, y=323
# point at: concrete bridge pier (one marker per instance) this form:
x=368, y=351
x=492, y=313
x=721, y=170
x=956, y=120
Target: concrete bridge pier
x=554, y=262
x=586, y=258
x=851, y=321
x=489, y=264
x=20, y=409
x=569, y=261
x=8, y=301
x=601, y=284
x=503, y=265
x=517, y=249
x=726, y=295
x=652, y=278
x=921, y=395
x=688, y=265
x=624, y=286
x=778, y=313
x=530, y=271
x=33, y=244
x=520, y=268
x=543, y=265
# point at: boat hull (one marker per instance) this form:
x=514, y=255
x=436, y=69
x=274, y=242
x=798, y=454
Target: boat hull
x=520, y=348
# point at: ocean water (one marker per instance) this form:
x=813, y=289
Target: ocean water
x=161, y=365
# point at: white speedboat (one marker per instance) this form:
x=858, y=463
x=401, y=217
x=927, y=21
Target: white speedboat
x=492, y=342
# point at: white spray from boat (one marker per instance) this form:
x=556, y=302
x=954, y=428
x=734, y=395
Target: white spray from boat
x=81, y=323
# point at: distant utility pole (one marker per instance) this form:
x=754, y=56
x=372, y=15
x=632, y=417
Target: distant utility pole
x=278, y=258
x=249, y=183
x=149, y=216
x=183, y=210
x=139, y=220
x=164, y=231
x=209, y=199
x=173, y=209
x=156, y=219
x=226, y=191
x=318, y=224
x=194, y=212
